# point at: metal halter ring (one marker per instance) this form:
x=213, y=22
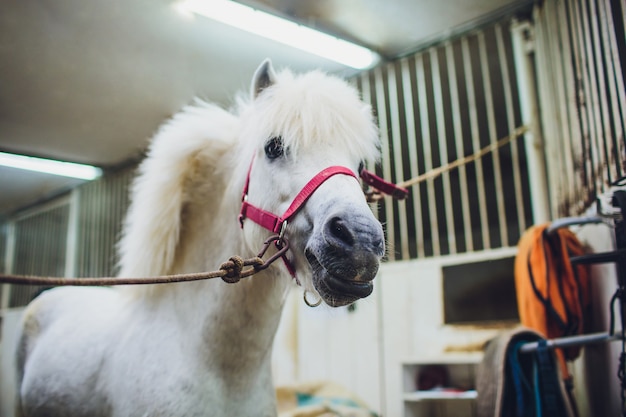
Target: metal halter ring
x=283, y=227
x=310, y=304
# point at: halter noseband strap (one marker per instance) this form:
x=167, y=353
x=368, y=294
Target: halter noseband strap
x=274, y=223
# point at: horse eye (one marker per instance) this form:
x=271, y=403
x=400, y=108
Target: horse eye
x=274, y=148
x=361, y=167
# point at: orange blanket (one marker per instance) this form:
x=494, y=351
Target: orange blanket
x=553, y=296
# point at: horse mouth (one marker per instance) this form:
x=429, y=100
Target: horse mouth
x=334, y=289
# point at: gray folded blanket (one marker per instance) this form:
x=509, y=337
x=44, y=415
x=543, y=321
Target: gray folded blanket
x=514, y=384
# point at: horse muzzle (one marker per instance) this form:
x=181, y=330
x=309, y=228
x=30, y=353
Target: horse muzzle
x=344, y=258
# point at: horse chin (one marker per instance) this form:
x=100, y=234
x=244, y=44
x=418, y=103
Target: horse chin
x=335, y=290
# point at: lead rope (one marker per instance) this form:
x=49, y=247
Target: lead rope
x=230, y=271
x=467, y=159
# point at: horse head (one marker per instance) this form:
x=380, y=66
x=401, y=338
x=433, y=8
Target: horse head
x=309, y=135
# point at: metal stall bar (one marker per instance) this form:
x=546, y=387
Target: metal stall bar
x=426, y=150
x=108, y=223
x=591, y=98
x=551, y=96
x=616, y=90
x=71, y=241
x=493, y=137
x=118, y=209
x=412, y=147
x=386, y=160
x=9, y=264
x=443, y=149
x=473, y=117
x=563, y=342
x=603, y=51
x=97, y=197
x=81, y=244
x=604, y=131
x=521, y=40
x=535, y=158
x=583, y=111
x=23, y=266
x=396, y=138
x=510, y=120
x=85, y=230
x=560, y=78
x=366, y=95
x=121, y=203
x=571, y=141
x=93, y=201
x=460, y=151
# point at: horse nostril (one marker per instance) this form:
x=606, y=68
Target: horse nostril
x=340, y=230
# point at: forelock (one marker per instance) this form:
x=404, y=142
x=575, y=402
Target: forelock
x=315, y=109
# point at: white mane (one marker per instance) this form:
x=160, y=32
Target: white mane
x=201, y=133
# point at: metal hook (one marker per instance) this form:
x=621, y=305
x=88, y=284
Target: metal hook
x=310, y=304
x=281, y=243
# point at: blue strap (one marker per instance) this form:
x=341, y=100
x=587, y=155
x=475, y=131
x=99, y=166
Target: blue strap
x=547, y=383
x=537, y=389
x=521, y=385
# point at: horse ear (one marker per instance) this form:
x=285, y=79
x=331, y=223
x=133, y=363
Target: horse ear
x=263, y=78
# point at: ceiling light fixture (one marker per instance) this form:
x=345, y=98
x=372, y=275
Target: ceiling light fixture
x=49, y=166
x=282, y=30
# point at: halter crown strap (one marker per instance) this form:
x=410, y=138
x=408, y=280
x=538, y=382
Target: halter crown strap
x=274, y=223
x=383, y=186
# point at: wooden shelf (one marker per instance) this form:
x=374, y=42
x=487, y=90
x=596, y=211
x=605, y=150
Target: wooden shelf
x=439, y=395
x=458, y=400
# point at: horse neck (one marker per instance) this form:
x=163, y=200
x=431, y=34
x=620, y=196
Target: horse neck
x=245, y=314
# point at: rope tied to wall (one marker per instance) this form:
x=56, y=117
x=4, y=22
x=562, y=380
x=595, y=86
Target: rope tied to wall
x=375, y=195
x=492, y=147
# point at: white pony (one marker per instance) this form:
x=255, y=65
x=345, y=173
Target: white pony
x=204, y=348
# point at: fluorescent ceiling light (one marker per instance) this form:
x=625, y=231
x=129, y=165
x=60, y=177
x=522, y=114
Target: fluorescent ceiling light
x=49, y=166
x=281, y=30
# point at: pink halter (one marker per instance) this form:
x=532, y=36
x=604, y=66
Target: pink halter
x=277, y=224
